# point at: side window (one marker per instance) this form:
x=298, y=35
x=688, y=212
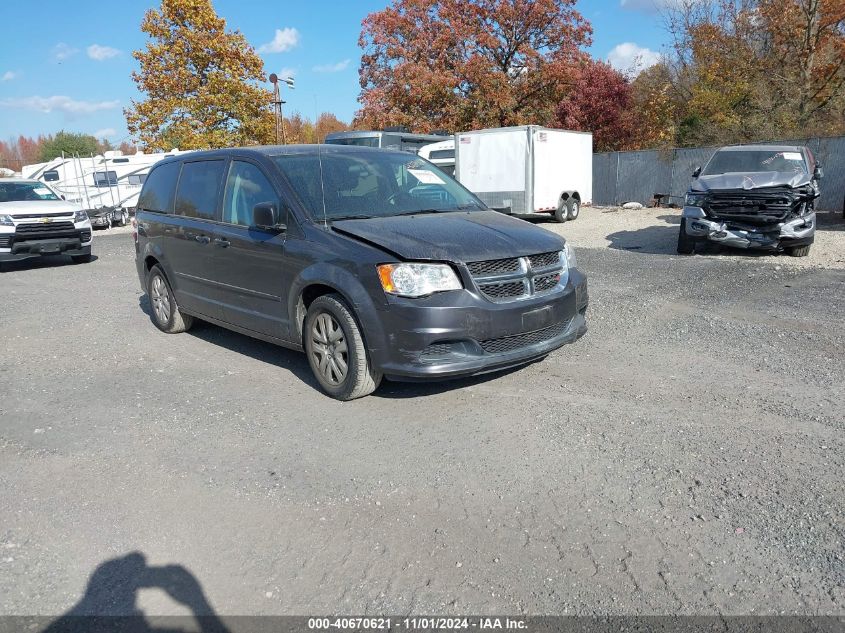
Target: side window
x=157, y=194
x=136, y=179
x=105, y=178
x=246, y=186
x=51, y=175
x=199, y=185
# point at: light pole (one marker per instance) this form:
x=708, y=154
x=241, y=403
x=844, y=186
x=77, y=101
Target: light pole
x=277, y=104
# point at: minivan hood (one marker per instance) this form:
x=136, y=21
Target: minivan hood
x=458, y=236
x=750, y=180
x=29, y=207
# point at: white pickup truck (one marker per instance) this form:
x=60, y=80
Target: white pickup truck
x=36, y=221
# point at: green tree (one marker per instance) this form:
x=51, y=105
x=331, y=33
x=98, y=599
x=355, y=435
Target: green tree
x=200, y=81
x=69, y=143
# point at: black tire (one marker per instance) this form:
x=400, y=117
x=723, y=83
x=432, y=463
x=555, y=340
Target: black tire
x=165, y=311
x=686, y=245
x=799, y=251
x=123, y=219
x=573, y=209
x=562, y=211
x=87, y=258
x=332, y=341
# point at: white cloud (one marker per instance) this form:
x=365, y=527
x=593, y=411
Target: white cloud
x=106, y=132
x=58, y=103
x=9, y=75
x=285, y=39
x=62, y=51
x=286, y=72
x=100, y=53
x=631, y=59
x=332, y=68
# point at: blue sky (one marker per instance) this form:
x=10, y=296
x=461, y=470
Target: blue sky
x=68, y=66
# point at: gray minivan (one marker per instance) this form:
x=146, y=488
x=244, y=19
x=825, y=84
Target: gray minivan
x=373, y=262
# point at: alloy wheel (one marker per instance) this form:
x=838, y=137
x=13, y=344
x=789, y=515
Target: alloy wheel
x=329, y=350
x=161, y=300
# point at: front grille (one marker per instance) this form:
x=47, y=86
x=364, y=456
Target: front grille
x=544, y=283
x=45, y=231
x=514, y=278
x=5, y=241
x=504, y=291
x=545, y=260
x=755, y=208
x=493, y=267
x=518, y=341
x=35, y=216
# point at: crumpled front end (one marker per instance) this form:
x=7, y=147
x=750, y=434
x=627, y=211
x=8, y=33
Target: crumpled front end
x=774, y=220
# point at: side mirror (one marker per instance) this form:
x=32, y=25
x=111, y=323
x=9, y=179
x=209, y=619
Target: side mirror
x=63, y=197
x=818, y=173
x=697, y=172
x=265, y=216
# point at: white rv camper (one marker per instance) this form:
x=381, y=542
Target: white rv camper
x=441, y=154
x=107, y=186
x=527, y=170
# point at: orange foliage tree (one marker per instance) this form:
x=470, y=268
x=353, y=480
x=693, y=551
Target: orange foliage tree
x=462, y=64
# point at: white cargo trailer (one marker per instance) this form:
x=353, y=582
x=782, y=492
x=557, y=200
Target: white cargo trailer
x=527, y=170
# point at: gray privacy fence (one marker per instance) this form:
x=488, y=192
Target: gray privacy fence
x=620, y=177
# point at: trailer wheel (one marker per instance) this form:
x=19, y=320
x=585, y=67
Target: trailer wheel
x=562, y=211
x=573, y=208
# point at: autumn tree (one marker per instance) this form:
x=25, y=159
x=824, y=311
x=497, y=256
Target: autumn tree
x=200, y=81
x=462, y=64
x=327, y=123
x=600, y=102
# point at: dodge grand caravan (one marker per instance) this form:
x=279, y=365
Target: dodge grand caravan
x=373, y=262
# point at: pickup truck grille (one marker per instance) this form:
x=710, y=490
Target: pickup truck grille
x=45, y=231
x=515, y=278
x=754, y=208
x=5, y=240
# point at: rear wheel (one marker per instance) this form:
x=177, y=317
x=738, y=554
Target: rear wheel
x=336, y=351
x=124, y=218
x=686, y=245
x=799, y=251
x=166, y=314
x=573, y=208
x=562, y=211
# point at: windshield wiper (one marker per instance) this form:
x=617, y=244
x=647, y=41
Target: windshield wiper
x=360, y=216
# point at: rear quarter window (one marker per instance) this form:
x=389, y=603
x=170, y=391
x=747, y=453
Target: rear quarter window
x=159, y=189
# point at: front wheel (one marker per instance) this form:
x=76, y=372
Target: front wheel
x=336, y=351
x=573, y=208
x=799, y=251
x=87, y=258
x=686, y=245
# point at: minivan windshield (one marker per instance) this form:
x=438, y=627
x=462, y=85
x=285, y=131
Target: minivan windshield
x=25, y=191
x=725, y=162
x=372, y=184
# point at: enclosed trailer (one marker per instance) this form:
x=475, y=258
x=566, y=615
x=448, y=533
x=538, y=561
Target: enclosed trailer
x=527, y=170
x=388, y=139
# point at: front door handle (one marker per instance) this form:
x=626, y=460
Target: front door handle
x=202, y=239
x=222, y=242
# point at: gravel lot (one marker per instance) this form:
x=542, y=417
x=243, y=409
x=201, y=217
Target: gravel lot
x=686, y=456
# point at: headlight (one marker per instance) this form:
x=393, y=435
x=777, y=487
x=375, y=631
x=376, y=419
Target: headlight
x=6, y=220
x=417, y=280
x=568, y=256
x=80, y=216
x=695, y=199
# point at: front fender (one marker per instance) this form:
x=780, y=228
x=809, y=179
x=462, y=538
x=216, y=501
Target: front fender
x=357, y=296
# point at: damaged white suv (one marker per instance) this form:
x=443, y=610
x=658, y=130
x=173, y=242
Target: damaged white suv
x=35, y=221
x=753, y=196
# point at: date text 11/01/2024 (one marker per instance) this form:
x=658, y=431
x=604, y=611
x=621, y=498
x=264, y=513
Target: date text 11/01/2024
x=416, y=624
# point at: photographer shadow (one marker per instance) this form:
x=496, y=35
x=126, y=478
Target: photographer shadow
x=110, y=601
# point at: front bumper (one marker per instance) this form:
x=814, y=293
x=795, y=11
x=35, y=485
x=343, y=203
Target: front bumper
x=16, y=245
x=459, y=334
x=796, y=232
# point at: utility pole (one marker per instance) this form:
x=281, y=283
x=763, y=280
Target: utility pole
x=277, y=105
